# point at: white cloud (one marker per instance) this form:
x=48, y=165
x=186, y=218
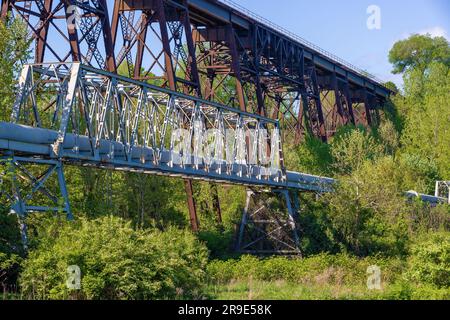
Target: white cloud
x=433, y=31
x=436, y=32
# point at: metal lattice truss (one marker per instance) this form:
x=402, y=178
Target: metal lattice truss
x=27, y=185
x=80, y=30
x=268, y=224
x=157, y=41
x=78, y=115
x=209, y=50
x=103, y=119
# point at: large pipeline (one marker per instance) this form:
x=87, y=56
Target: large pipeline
x=38, y=141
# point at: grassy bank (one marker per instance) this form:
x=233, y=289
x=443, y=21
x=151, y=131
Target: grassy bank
x=320, y=277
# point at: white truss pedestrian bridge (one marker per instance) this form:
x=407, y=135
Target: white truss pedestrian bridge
x=74, y=114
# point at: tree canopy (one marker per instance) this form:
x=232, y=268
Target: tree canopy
x=417, y=52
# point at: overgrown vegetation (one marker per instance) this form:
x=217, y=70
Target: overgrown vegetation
x=130, y=237
x=117, y=261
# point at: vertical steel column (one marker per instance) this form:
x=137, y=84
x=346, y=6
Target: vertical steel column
x=192, y=57
x=41, y=40
x=292, y=216
x=257, y=60
x=318, y=105
x=367, y=107
x=107, y=36
x=115, y=21
x=73, y=35
x=6, y=9
x=63, y=188
x=337, y=96
x=299, y=129
x=170, y=74
x=18, y=207
x=195, y=78
x=348, y=98
x=240, y=236
x=306, y=112
x=191, y=205
x=236, y=66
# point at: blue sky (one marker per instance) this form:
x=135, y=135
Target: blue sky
x=340, y=26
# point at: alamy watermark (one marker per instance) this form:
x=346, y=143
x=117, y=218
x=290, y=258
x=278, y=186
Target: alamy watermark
x=214, y=146
x=374, y=278
x=73, y=15
x=374, y=19
x=73, y=278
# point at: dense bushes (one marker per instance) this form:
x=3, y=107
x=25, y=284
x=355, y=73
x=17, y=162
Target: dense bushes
x=428, y=270
x=116, y=262
x=429, y=262
x=14, y=45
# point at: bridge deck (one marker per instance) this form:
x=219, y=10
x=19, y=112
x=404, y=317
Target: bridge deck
x=226, y=11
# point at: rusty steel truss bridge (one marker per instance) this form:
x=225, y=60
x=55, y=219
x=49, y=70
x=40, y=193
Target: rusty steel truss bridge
x=197, y=89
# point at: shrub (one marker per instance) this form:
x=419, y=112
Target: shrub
x=116, y=262
x=352, y=149
x=11, y=250
x=429, y=262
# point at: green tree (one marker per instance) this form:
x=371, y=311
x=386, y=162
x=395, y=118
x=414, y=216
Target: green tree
x=417, y=52
x=427, y=115
x=14, y=49
x=392, y=86
x=367, y=210
x=352, y=148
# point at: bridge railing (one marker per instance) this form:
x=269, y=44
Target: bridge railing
x=90, y=115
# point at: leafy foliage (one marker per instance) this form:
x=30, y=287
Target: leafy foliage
x=430, y=260
x=417, y=52
x=116, y=261
x=13, y=50
x=129, y=237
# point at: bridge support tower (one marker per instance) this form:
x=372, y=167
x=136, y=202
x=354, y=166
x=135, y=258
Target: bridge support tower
x=269, y=224
x=29, y=185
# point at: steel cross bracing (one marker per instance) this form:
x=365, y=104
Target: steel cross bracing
x=203, y=48
x=268, y=225
x=68, y=30
x=218, y=51
x=91, y=117
x=77, y=115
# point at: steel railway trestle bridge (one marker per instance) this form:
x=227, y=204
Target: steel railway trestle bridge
x=209, y=93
